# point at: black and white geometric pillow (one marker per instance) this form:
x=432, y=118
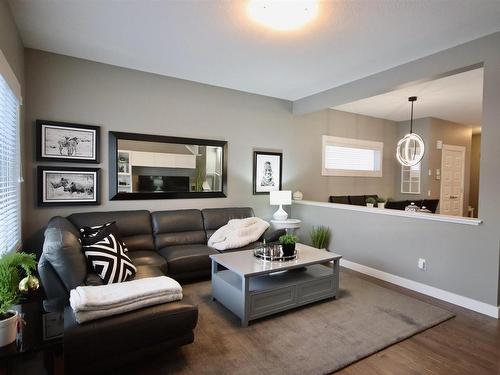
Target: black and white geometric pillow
x=107, y=255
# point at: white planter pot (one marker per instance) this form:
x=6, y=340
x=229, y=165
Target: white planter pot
x=381, y=205
x=369, y=205
x=8, y=329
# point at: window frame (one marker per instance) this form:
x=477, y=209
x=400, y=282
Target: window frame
x=328, y=140
x=10, y=78
x=419, y=181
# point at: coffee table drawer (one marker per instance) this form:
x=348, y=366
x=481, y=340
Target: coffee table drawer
x=272, y=301
x=316, y=289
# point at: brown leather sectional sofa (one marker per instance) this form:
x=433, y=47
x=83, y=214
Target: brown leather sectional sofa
x=172, y=243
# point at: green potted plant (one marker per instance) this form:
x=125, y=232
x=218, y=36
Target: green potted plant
x=370, y=201
x=381, y=202
x=320, y=236
x=11, y=266
x=288, y=242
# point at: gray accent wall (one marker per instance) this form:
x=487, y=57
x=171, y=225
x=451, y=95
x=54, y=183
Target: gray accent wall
x=10, y=42
x=62, y=88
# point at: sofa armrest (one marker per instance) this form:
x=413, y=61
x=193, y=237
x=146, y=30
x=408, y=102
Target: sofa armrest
x=272, y=235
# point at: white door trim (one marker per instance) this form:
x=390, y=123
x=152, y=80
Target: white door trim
x=461, y=149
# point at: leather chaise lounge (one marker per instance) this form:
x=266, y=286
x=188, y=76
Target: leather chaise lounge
x=172, y=243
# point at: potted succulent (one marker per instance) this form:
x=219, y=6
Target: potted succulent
x=288, y=242
x=381, y=202
x=320, y=236
x=10, y=287
x=370, y=202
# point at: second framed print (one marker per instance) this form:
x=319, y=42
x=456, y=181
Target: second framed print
x=267, y=171
x=59, y=186
x=66, y=142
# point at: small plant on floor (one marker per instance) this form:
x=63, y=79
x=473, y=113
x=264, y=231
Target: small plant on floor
x=320, y=237
x=11, y=266
x=288, y=242
x=370, y=201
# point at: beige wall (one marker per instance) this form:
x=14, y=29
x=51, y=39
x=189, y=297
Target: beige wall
x=350, y=125
x=475, y=160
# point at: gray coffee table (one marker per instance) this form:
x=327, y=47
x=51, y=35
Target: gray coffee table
x=253, y=288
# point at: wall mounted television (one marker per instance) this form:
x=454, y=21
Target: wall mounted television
x=163, y=184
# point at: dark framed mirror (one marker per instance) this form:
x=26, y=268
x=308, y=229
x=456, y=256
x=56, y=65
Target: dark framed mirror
x=145, y=166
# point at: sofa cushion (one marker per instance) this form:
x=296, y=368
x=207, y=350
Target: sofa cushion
x=185, y=258
x=106, y=252
x=124, y=333
x=134, y=226
x=63, y=250
x=148, y=258
x=214, y=218
x=343, y=199
x=178, y=227
x=357, y=200
x=145, y=270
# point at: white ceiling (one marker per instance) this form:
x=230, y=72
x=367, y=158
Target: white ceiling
x=457, y=98
x=214, y=42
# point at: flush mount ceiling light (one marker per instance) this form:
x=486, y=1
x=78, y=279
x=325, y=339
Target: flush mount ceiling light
x=410, y=149
x=282, y=15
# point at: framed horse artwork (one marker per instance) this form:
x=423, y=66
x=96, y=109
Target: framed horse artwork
x=66, y=142
x=61, y=186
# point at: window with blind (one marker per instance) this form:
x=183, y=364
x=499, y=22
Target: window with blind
x=351, y=157
x=10, y=215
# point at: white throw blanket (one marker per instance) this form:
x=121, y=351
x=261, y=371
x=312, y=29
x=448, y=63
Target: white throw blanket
x=94, y=302
x=237, y=233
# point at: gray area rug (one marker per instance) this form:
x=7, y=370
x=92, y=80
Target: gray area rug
x=315, y=339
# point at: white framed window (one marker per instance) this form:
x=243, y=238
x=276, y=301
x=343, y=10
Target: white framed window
x=410, y=179
x=10, y=166
x=351, y=157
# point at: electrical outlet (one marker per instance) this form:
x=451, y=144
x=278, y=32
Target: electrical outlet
x=421, y=264
x=429, y=193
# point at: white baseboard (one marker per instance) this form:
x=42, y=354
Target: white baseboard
x=456, y=299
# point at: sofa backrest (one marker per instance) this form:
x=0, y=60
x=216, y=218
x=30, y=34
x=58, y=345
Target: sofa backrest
x=179, y=227
x=134, y=226
x=214, y=218
x=62, y=265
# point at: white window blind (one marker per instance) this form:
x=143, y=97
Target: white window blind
x=351, y=157
x=10, y=215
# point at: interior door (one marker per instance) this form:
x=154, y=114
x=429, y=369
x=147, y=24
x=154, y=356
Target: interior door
x=452, y=180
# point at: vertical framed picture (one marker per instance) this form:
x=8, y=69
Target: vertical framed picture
x=60, y=186
x=66, y=142
x=267, y=171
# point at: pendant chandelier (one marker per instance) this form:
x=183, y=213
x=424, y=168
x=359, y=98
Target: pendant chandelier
x=410, y=149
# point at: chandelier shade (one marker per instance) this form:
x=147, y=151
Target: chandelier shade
x=411, y=148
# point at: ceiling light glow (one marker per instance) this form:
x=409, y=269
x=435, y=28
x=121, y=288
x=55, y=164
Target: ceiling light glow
x=282, y=15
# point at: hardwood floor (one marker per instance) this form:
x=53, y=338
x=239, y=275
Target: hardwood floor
x=466, y=344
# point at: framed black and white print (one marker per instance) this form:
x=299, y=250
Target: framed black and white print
x=60, y=186
x=267, y=171
x=66, y=142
